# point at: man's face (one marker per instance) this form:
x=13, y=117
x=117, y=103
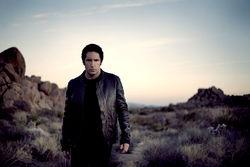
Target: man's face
x=92, y=63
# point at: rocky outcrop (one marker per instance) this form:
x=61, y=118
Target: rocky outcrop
x=14, y=57
x=208, y=97
x=215, y=97
x=12, y=68
x=23, y=93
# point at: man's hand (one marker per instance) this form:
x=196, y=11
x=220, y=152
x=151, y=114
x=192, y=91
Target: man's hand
x=124, y=148
x=66, y=154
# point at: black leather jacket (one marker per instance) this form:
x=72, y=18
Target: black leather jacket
x=112, y=105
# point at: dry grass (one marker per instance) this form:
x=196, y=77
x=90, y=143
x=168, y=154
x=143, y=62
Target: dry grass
x=54, y=127
x=26, y=140
x=15, y=154
x=202, y=137
x=45, y=148
x=20, y=117
x=185, y=137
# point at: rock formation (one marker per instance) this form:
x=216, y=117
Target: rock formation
x=211, y=96
x=23, y=93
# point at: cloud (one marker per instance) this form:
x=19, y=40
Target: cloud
x=124, y=5
x=41, y=22
x=133, y=4
x=41, y=15
x=99, y=9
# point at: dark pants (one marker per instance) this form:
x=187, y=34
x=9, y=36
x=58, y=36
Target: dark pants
x=91, y=155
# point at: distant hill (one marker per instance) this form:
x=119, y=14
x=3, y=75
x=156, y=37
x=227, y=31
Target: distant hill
x=135, y=105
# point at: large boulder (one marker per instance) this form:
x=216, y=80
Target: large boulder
x=45, y=87
x=12, y=68
x=14, y=57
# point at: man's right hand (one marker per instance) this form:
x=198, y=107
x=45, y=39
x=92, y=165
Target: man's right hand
x=66, y=154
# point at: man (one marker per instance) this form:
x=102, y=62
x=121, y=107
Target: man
x=94, y=101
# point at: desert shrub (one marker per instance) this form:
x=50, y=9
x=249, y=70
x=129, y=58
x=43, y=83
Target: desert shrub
x=47, y=113
x=12, y=133
x=44, y=120
x=139, y=136
x=60, y=114
x=54, y=127
x=155, y=122
x=203, y=154
x=33, y=116
x=241, y=118
x=237, y=149
x=20, y=118
x=146, y=110
x=44, y=148
x=4, y=123
x=197, y=135
x=192, y=116
x=58, y=161
x=238, y=118
x=161, y=153
x=215, y=113
x=169, y=108
x=195, y=153
x=15, y=154
x=188, y=147
x=43, y=127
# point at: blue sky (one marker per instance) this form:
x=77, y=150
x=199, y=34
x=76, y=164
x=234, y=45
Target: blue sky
x=163, y=50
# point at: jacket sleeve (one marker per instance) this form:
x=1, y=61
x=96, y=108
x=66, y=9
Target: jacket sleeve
x=122, y=111
x=65, y=141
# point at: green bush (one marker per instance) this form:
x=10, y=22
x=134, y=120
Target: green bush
x=34, y=116
x=60, y=114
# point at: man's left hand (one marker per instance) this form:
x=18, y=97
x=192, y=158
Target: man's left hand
x=124, y=148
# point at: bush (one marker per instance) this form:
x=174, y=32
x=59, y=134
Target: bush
x=15, y=154
x=34, y=116
x=44, y=148
x=60, y=114
x=12, y=133
x=161, y=153
x=20, y=118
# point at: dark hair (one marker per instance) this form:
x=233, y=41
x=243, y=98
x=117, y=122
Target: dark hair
x=92, y=48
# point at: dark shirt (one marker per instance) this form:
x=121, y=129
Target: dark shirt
x=92, y=125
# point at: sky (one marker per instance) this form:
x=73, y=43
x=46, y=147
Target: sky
x=162, y=50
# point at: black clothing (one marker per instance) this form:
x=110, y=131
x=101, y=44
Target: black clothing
x=92, y=154
x=91, y=151
x=92, y=124
x=92, y=109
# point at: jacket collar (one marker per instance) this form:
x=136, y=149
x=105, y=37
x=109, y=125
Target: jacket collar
x=99, y=77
